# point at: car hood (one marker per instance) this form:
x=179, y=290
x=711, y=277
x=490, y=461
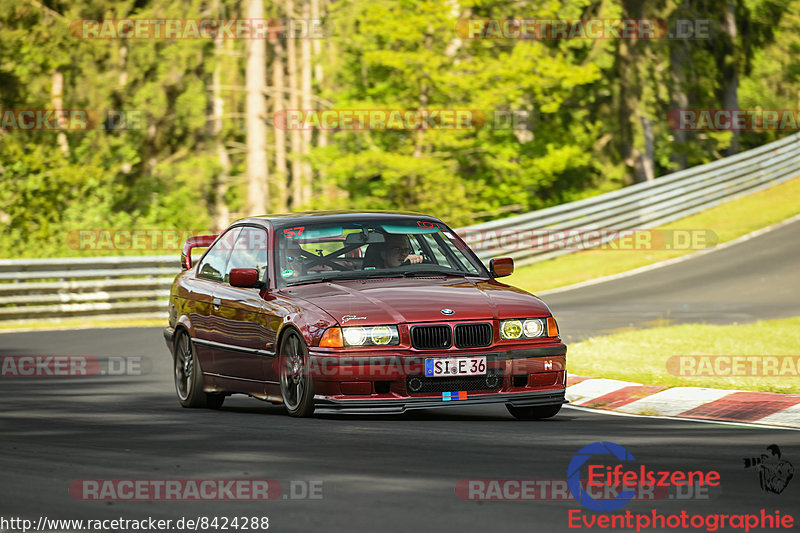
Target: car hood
x=396, y=301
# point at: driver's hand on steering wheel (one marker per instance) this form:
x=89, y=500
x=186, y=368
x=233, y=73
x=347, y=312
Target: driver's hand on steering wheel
x=413, y=259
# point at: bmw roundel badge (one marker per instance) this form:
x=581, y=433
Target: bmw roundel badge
x=447, y=311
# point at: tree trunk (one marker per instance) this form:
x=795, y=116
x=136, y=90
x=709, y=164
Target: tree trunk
x=680, y=55
x=307, y=103
x=626, y=105
x=278, y=99
x=317, y=8
x=58, y=104
x=634, y=142
x=220, y=208
x=295, y=140
x=647, y=157
x=257, y=171
x=730, y=72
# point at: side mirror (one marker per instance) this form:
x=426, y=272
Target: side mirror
x=244, y=277
x=501, y=267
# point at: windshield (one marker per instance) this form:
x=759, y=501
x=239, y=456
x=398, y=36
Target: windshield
x=330, y=252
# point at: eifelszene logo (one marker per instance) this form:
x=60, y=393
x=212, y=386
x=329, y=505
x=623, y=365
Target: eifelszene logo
x=624, y=482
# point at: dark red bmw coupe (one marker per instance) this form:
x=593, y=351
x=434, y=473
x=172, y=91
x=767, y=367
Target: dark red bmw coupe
x=358, y=312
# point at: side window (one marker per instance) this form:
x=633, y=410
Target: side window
x=438, y=255
x=213, y=264
x=444, y=253
x=249, y=251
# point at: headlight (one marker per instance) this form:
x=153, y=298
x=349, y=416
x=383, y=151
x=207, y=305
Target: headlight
x=381, y=335
x=533, y=327
x=354, y=336
x=511, y=329
x=371, y=335
x=528, y=328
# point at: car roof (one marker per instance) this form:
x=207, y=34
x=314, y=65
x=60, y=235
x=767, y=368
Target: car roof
x=316, y=217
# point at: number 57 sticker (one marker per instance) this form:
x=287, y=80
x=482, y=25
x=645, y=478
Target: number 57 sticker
x=294, y=232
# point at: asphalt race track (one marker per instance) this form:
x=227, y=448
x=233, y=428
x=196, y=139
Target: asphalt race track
x=756, y=279
x=385, y=473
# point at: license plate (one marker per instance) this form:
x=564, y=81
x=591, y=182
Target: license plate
x=455, y=366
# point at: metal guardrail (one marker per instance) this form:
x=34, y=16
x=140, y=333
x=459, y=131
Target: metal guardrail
x=135, y=287
x=32, y=289
x=640, y=206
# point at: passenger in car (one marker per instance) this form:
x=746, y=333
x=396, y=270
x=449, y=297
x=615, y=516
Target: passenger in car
x=293, y=261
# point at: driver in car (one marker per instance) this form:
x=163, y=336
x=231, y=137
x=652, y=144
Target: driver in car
x=397, y=251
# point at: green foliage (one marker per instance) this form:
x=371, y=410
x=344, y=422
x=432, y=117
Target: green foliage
x=774, y=80
x=420, y=63
x=155, y=176
x=381, y=54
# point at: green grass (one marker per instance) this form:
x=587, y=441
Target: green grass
x=641, y=356
x=728, y=221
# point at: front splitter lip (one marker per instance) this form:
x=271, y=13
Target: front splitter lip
x=401, y=405
x=494, y=354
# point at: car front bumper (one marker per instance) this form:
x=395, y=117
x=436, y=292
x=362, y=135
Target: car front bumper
x=355, y=383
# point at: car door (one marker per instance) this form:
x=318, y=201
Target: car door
x=247, y=331
x=209, y=274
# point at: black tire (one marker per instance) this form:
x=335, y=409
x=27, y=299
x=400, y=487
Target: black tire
x=297, y=387
x=534, y=413
x=189, y=376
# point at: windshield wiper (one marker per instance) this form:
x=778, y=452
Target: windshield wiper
x=350, y=277
x=428, y=273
